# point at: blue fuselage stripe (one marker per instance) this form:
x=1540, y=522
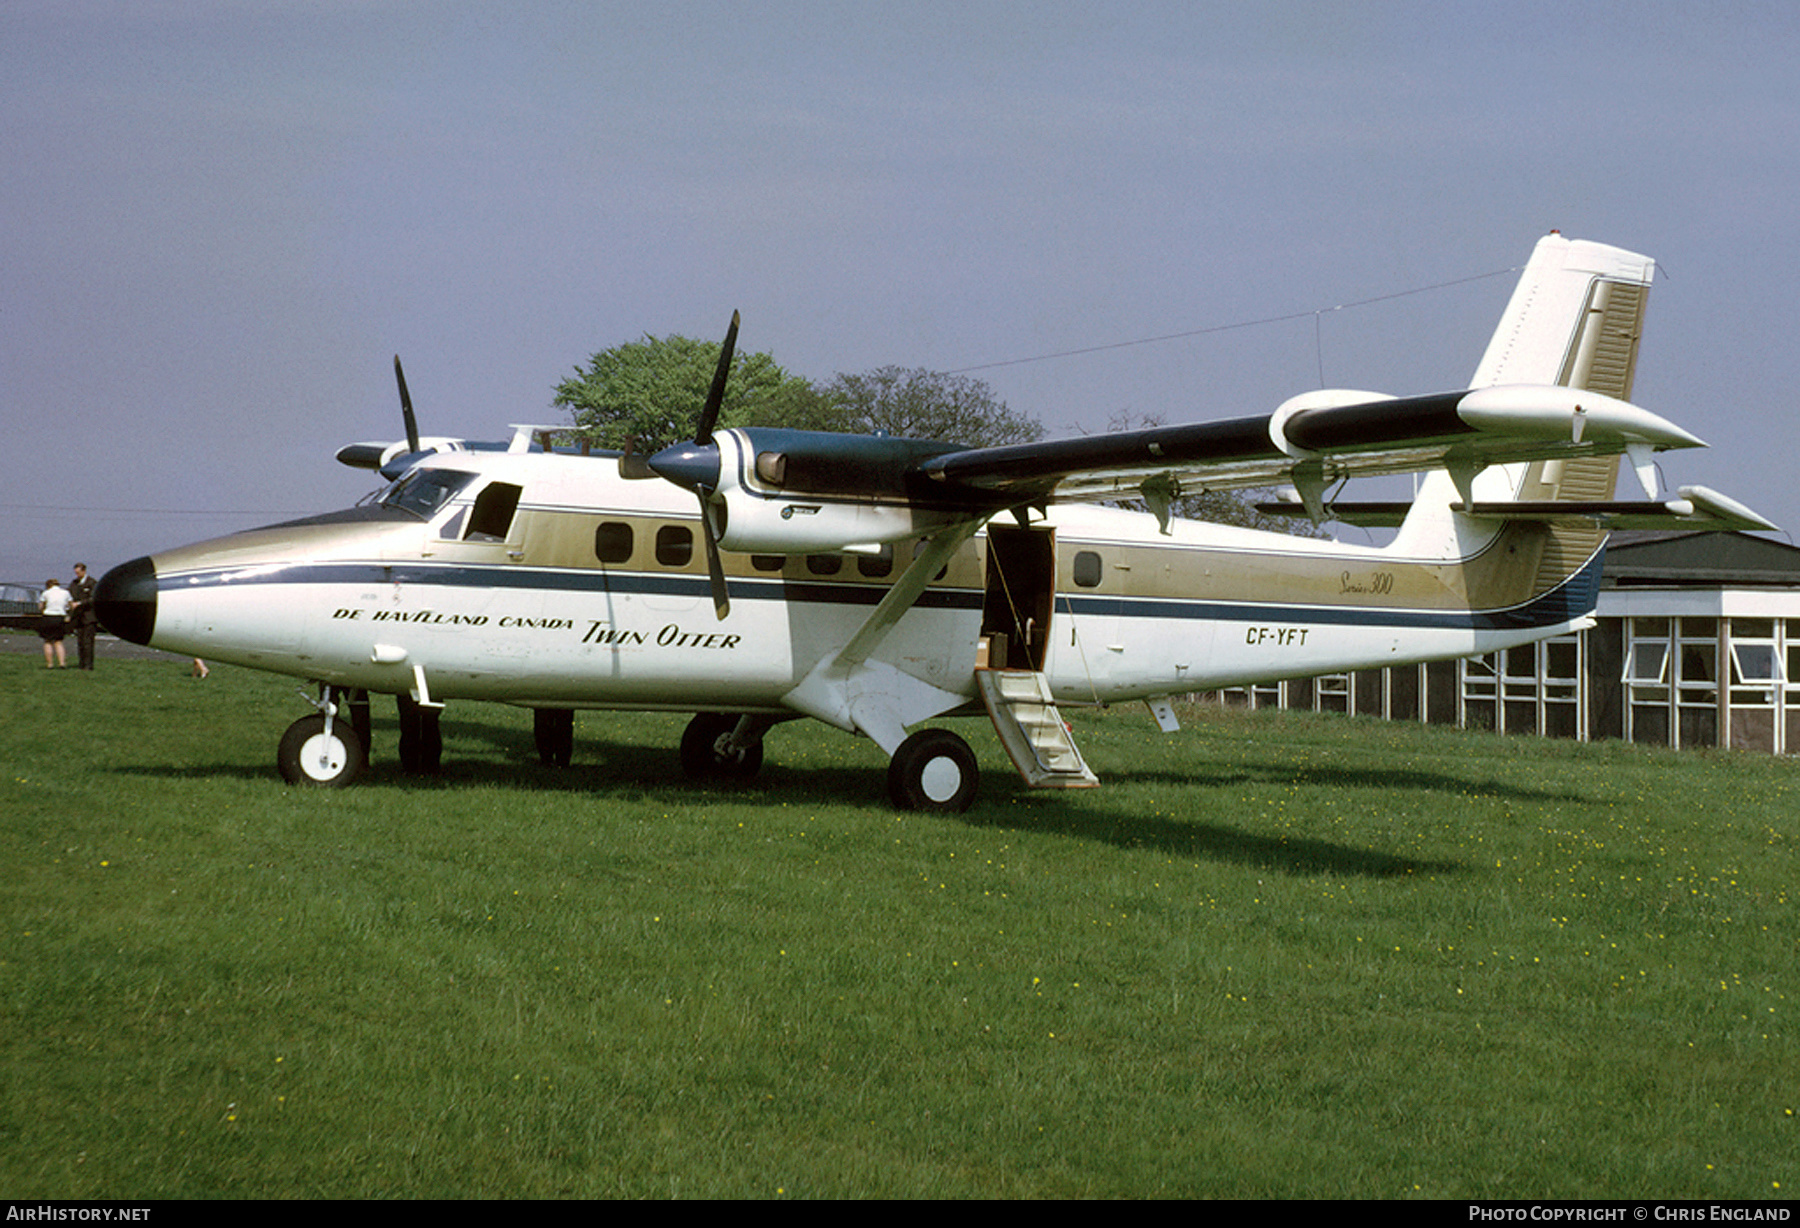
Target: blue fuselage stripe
x=1572, y=599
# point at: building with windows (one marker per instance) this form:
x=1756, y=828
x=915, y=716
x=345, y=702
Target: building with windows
x=1697, y=644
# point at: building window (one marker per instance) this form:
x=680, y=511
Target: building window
x=1756, y=688
x=1672, y=680
x=1697, y=682
x=1647, y=663
x=1331, y=693
x=1533, y=688
x=1559, y=700
x=1647, y=655
x=1481, y=692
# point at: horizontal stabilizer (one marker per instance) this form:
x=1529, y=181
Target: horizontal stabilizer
x=1695, y=508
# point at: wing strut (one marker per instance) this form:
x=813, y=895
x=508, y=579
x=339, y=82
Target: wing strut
x=862, y=695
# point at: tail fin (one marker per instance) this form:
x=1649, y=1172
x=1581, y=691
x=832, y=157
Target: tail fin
x=1574, y=319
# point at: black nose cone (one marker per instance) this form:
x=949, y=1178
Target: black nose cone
x=125, y=601
x=692, y=465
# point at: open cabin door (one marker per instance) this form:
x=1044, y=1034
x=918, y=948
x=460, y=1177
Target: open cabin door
x=1021, y=594
x=1015, y=635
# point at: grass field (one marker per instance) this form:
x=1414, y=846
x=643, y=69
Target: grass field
x=1273, y=956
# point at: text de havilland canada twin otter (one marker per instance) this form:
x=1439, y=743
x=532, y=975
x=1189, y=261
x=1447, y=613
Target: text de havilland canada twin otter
x=875, y=583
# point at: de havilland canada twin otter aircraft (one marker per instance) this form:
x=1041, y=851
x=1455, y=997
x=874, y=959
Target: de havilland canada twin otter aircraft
x=753, y=576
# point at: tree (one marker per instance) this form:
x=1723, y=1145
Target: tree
x=1238, y=507
x=652, y=391
x=920, y=404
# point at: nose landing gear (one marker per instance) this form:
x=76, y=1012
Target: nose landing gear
x=324, y=758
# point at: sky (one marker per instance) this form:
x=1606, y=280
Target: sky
x=223, y=218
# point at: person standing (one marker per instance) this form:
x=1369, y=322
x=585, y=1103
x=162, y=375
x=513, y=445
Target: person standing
x=81, y=611
x=54, y=625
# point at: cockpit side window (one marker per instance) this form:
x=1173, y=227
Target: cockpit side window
x=426, y=492
x=493, y=514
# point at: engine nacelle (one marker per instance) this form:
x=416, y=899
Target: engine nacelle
x=799, y=525
x=799, y=492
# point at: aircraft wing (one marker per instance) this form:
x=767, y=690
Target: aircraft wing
x=786, y=492
x=1315, y=439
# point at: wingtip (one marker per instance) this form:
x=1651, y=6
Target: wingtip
x=1725, y=508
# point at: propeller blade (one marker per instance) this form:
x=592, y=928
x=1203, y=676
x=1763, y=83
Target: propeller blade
x=715, y=569
x=406, y=412
x=709, y=416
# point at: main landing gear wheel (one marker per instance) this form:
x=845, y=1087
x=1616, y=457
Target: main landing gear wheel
x=421, y=741
x=933, y=770
x=702, y=753
x=310, y=756
x=554, y=730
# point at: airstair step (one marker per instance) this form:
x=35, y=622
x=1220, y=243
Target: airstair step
x=1032, y=730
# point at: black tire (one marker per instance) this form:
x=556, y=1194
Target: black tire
x=421, y=740
x=358, y=705
x=308, y=757
x=700, y=757
x=554, y=730
x=934, y=770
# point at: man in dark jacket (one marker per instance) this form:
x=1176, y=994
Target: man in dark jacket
x=81, y=613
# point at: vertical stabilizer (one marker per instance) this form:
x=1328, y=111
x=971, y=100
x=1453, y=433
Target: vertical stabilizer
x=1574, y=319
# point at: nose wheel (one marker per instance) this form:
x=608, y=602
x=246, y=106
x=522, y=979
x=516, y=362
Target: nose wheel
x=308, y=755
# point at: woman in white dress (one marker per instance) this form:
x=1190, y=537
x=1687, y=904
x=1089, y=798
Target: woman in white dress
x=54, y=606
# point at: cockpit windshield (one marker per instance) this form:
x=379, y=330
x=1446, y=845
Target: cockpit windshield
x=425, y=491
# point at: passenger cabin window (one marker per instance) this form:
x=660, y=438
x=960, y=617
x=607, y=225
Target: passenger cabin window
x=875, y=566
x=674, y=545
x=919, y=548
x=823, y=564
x=493, y=514
x=1087, y=569
x=613, y=542
x=768, y=562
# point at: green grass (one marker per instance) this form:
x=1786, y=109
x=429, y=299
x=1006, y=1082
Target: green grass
x=1273, y=956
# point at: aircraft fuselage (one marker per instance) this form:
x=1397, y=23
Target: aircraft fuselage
x=594, y=594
